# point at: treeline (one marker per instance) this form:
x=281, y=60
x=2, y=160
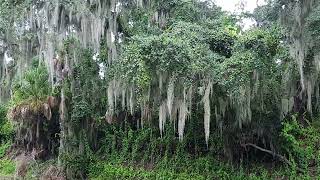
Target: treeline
x=158, y=90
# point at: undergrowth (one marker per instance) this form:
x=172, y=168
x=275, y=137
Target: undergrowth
x=7, y=167
x=128, y=153
x=140, y=154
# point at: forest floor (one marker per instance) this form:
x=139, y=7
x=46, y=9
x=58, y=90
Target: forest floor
x=6, y=177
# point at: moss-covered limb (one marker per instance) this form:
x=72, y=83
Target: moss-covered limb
x=185, y=56
x=300, y=21
x=81, y=105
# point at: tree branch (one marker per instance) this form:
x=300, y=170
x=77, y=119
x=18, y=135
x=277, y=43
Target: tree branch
x=280, y=157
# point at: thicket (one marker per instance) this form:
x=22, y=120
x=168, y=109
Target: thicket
x=192, y=96
x=7, y=167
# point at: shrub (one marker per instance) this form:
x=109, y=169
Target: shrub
x=300, y=143
x=6, y=128
x=7, y=167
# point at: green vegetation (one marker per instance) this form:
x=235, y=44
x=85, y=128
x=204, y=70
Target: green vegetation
x=7, y=167
x=126, y=154
x=159, y=89
x=33, y=88
x=6, y=129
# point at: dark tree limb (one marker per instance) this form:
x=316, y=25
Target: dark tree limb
x=280, y=157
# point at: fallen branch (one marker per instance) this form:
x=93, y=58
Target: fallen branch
x=280, y=157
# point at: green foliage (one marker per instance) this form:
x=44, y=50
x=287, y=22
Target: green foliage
x=81, y=110
x=268, y=14
x=33, y=87
x=3, y=148
x=10, y=9
x=140, y=154
x=313, y=24
x=6, y=135
x=120, y=172
x=78, y=161
x=136, y=22
x=193, y=52
x=194, y=42
x=256, y=50
x=6, y=128
x=300, y=143
x=182, y=51
x=88, y=98
x=219, y=171
x=7, y=167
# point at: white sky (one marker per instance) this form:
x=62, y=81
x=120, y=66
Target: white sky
x=233, y=5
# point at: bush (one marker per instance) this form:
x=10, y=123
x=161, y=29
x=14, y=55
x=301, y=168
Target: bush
x=7, y=167
x=300, y=143
x=127, y=153
x=3, y=148
x=6, y=131
x=6, y=128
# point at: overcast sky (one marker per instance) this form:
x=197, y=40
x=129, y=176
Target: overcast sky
x=233, y=5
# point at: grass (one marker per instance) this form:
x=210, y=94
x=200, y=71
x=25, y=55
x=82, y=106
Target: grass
x=180, y=169
x=3, y=148
x=7, y=167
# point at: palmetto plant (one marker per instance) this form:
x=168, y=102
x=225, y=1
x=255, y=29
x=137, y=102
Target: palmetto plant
x=33, y=87
x=30, y=95
x=31, y=110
